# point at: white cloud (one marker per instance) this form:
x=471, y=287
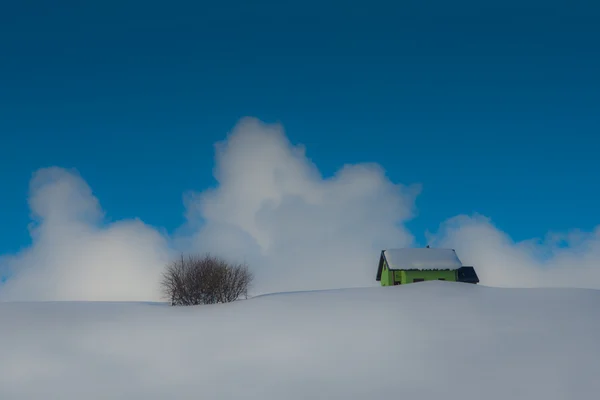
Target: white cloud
x=271, y=209
x=568, y=260
x=274, y=210
x=74, y=256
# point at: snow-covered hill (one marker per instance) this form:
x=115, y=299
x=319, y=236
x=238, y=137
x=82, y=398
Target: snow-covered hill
x=433, y=340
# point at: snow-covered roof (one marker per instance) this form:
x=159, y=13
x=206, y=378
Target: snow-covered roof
x=422, y=258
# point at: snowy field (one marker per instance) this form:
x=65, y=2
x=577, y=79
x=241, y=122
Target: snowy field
x=433, y=340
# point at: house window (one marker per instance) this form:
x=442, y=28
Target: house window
x=418, y=280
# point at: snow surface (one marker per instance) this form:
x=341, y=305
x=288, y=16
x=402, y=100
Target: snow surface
x=431, y=340
x=422, y=258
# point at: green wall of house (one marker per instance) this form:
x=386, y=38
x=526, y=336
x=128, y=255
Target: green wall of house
x=410, y=276
x=385, y=278
x=389, y=277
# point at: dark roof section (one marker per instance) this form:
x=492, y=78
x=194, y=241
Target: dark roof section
x=467, y=274
x=380, y=267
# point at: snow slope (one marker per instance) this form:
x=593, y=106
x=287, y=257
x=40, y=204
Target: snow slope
x=432, y=340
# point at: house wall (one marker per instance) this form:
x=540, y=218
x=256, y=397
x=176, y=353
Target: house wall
x=386, y=276
x=408, y=276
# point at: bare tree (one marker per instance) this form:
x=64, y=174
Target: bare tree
x=205, y=280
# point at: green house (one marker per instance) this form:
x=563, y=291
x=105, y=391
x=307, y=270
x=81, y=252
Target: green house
x=409, y=265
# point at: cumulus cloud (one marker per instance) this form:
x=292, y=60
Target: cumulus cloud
x=274, y=210
x=74, y=255
x=560, y=259
x=271, y=209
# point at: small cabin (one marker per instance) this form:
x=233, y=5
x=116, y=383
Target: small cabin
x=410, y=265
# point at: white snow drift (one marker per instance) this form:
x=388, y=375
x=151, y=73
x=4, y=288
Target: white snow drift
x=429, y=341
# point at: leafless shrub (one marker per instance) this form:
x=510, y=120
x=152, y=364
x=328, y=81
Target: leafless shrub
x=205, y=280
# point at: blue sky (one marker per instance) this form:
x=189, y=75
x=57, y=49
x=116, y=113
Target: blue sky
x=492, y=106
